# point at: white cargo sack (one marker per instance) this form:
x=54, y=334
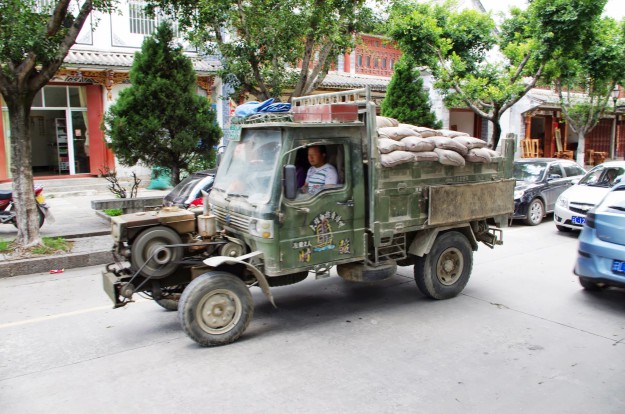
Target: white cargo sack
x=386, y=145
x=425, y=156
x=395, y=158
x=395, y=133
x=448, y=144
x=417, y=144
x=383, y=121
x=451, y=134
x=470, y=142
x=448, y=157
x=479, y=155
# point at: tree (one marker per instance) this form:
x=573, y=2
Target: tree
x=405, y=98
x=34, y=40
x=160, y=120
x=485, y=69
x=262, y=42
x=584, y=80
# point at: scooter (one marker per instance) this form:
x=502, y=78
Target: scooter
x=7, y=213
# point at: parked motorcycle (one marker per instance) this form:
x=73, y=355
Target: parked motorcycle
x=7, y=211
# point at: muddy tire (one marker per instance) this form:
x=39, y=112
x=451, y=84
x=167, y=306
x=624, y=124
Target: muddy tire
x=215, y=308
x=150, y=242
x=444, y=272
x=535, y=212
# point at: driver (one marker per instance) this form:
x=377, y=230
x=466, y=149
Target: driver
x=320, y=174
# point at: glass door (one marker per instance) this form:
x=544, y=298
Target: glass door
x=80, y=141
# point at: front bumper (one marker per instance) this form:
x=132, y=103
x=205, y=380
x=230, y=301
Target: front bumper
x=564, y=217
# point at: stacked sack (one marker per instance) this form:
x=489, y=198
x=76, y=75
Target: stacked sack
x=402, y=143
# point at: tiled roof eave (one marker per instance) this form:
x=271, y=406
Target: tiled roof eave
x=118, y=61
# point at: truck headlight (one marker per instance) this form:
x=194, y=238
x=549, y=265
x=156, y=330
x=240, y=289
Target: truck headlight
x=563, y=202
x=261, y=228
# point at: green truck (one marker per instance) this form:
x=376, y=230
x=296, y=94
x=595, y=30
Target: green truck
x=258, y=228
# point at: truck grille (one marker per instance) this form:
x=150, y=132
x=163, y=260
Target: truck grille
x=231, y=219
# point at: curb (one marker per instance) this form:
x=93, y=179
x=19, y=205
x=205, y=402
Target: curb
x=45, y=264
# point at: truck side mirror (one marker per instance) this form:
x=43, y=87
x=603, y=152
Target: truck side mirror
x=289, y=181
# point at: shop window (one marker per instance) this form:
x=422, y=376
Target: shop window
x=74, y=97
x=55, y=96
x=141, y=22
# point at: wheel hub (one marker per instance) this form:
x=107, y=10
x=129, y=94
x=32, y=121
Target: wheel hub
x=219, y=311
x=450, y=266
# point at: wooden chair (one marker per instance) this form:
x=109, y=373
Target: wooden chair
x=530, y=148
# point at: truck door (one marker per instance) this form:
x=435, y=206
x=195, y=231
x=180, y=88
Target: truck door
x=318, y=228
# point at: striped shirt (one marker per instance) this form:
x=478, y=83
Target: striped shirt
x=317, y=178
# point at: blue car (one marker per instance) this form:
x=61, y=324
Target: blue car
x=601, y=256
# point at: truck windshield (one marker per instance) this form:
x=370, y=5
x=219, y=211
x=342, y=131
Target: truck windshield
x=248, y=167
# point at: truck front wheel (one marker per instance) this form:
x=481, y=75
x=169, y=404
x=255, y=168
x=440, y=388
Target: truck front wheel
x=444, y=272
x=215, y=308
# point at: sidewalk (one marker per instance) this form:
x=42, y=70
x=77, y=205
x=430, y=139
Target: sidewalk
x=75, y=220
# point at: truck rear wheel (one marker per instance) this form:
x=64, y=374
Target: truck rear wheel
x=444, y=272
x=215, y=308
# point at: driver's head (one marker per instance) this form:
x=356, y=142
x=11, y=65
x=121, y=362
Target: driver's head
x=317, y=155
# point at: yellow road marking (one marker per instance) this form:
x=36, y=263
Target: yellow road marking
x=60, y=315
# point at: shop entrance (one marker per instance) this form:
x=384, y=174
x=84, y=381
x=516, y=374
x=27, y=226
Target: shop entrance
x=60, y=143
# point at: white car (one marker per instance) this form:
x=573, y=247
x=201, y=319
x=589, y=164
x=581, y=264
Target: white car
x=574, y=203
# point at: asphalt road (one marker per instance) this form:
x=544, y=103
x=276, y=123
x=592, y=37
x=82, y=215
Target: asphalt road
x=522, y=338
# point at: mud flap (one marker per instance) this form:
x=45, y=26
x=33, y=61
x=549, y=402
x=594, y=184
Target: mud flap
x=217, y=261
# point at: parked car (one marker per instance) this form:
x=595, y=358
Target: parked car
x=539, y=182
x=574, y=203
x=601, y=254
x=188, y=193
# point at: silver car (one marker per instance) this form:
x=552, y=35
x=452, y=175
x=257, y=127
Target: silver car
x=573, y=204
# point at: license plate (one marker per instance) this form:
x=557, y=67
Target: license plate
x=578, y=220
x=618, y=266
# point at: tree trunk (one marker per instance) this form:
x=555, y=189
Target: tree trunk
x=496, y=132
x=22, y=172
x=175, y=176
x=581, y=148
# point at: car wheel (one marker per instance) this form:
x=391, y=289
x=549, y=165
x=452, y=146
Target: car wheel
x=535, y=212
x=563, y=229
x=589, y=284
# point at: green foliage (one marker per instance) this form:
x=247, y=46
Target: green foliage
x=457, y=47
x=53, y=245
x=113, y=212
x=5, y=246
x=406, y=100
x=160, y=120
x=268, y=36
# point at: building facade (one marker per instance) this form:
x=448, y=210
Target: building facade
x=66, y=116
